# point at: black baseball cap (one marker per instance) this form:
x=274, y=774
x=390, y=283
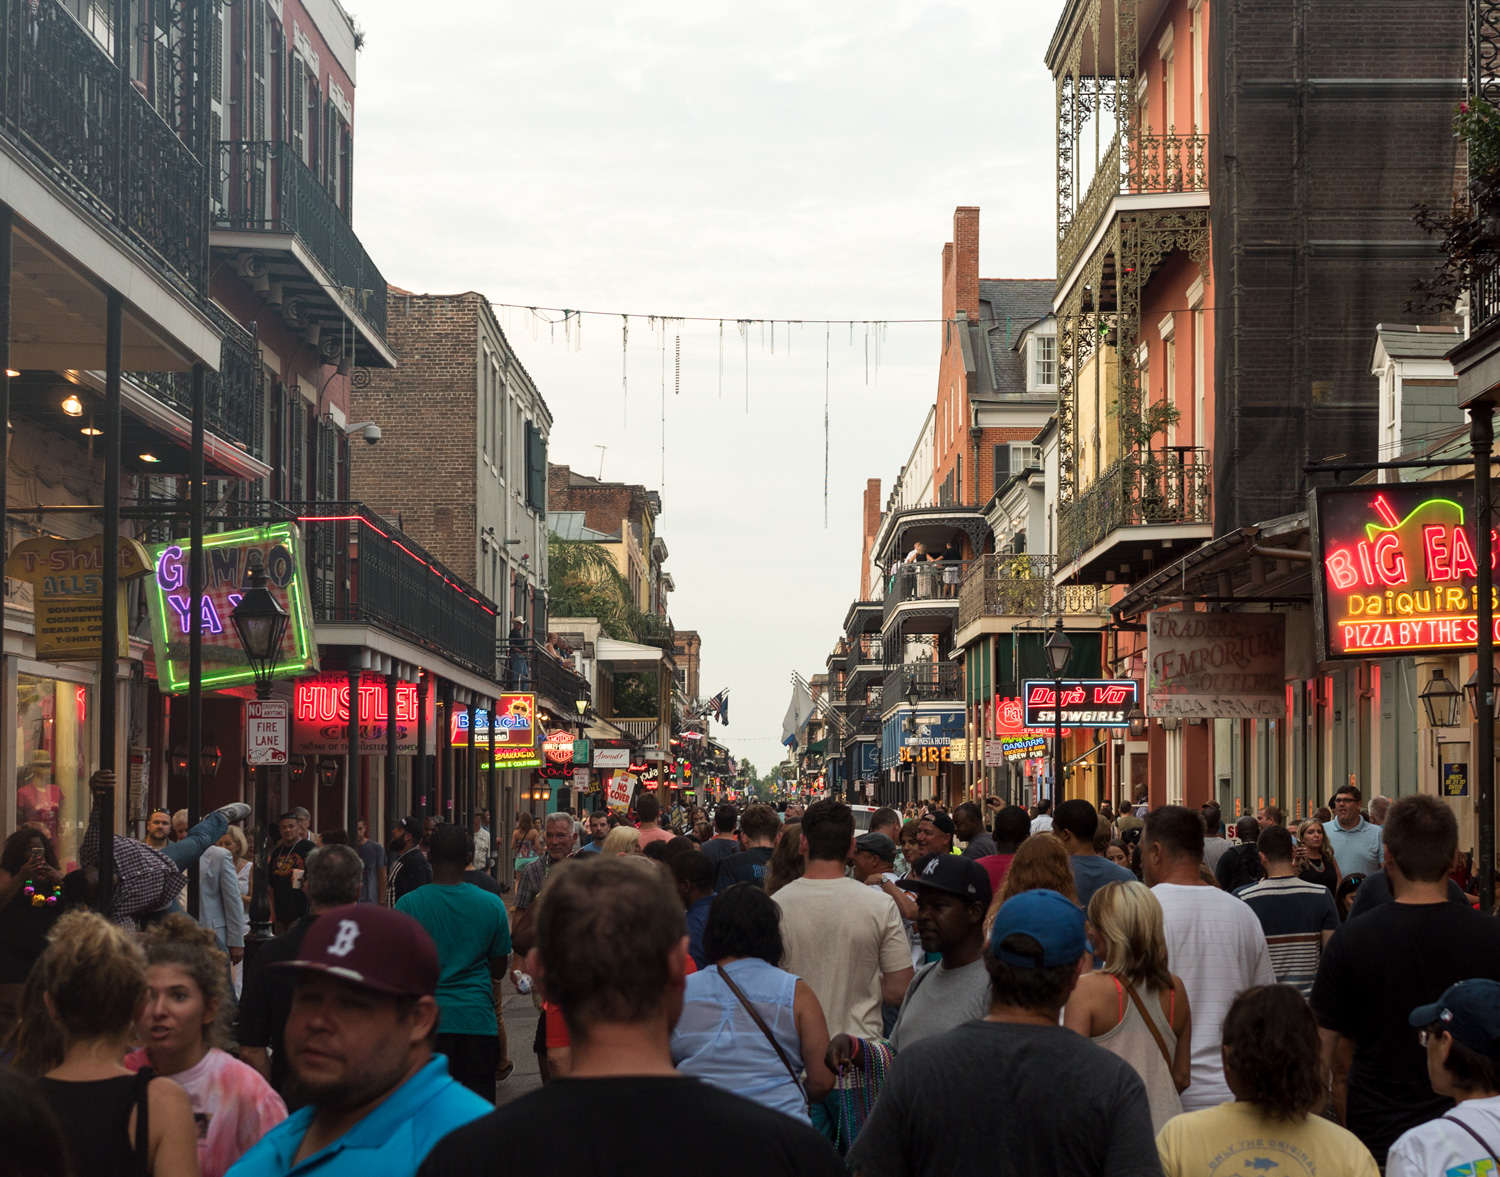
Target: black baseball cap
x=413, y=826
x=880, y=845
x=942, y=821
x=1470, y=1011
x=951, y=874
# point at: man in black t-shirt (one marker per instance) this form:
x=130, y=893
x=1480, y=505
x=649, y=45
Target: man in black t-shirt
x=1382, y=965
x=288, y=865
x=409, y=866
x=610, y=952
x=725, y=841
x=759, y=827
x=1240, y=865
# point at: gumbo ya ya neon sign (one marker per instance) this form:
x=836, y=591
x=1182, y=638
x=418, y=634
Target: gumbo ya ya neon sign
x=1398, y=569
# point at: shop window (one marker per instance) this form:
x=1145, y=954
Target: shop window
x=52, y=760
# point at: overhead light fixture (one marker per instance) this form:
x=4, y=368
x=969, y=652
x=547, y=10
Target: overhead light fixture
x=72, y=406
x=90, y=431
x=150, y=458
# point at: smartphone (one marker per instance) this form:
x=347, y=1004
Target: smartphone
x=38, y=855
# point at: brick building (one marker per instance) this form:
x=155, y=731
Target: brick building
x=625, y=515
x=687, y=648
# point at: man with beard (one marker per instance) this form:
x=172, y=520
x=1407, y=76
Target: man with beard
x=409, y=867
x=359, y=1041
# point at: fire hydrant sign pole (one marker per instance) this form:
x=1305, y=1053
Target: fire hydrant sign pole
x=266, y=723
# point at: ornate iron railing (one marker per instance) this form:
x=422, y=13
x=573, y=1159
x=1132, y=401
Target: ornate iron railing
x=929, y=582
x=527, y=665
x=365, y=569
x=265, y=186
x=1171, y=485
x=1022, y=586
x=232, y=407
x=1150, y=164
x=935, y=682
x=63, y=104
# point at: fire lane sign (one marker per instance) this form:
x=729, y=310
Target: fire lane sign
x=266, y=731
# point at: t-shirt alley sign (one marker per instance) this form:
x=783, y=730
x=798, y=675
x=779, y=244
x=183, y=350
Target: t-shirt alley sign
x=67, y=579
x=1395, y=570
x=227, y=559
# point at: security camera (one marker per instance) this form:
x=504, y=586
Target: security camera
x=367, y=429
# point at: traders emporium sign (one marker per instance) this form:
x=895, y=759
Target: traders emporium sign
x=1395, y=571
x=227, y=559
x=1216, y=665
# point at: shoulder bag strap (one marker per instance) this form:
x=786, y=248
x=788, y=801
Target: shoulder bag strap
x=764, y=1029
x=143, y=1079
x=1149, y=1020
x=1488, y=1151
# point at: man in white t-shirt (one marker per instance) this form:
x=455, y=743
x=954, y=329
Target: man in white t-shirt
x=1214, y=942
x=842, y=937
x=1461, y=1030
x=1042, y=822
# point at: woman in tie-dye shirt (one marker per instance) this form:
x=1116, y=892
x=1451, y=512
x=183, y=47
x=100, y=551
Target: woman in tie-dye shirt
x=185, y=1013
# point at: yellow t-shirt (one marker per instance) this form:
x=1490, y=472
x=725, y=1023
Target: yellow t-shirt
x=1237, y=1138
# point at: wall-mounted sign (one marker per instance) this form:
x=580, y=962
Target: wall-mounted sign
x=514, y=728
x=1216, y=665
x=227, y=559
x=934, y=729
x=1092, y=702
x=1018, y=747
x=611, y=757
x=926, y=755
x=1010, y=720
x=265, y=731
x=1455, y=780
x=67, y=592
x=557, y=756
x=1394, y=571
x=320, y=715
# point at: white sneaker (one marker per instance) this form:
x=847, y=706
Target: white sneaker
x=234, y=811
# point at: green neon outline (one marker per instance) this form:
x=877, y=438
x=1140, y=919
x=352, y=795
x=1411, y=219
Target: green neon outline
x=306, y=651
x=1372, y=528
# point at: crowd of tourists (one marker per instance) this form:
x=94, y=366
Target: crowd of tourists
x=761, y=991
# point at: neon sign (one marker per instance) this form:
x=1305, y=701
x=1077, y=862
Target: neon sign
x=1010, y=720
x=1395, y=569
x=320, y=714
x=227, y=558
x=515, y=726
x=1090, y=702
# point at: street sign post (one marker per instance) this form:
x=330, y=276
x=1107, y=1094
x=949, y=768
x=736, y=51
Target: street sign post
x=266, y=731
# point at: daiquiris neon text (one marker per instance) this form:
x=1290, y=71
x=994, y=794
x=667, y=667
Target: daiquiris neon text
x=1398, y=569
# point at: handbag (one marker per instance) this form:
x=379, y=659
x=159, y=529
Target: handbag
x=764, y=1029
x=1149, y=1020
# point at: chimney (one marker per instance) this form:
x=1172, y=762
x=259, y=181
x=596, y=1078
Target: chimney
x=871, y=526
x=966, y=260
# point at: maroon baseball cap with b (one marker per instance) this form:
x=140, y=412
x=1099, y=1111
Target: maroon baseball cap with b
x=370, y=946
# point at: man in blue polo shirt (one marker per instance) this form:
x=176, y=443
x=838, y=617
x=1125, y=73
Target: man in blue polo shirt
x=1355, y=842
x=359, y=1042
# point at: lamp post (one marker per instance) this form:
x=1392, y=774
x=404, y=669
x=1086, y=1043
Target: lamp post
x=1058, y=649
x=260, y=621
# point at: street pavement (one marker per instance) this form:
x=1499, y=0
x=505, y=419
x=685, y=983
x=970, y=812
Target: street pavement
x=520, y=1029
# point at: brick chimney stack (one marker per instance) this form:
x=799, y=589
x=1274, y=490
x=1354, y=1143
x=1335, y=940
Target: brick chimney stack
x=872, y=525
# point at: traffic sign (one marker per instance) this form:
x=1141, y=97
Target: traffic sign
x=266, y=731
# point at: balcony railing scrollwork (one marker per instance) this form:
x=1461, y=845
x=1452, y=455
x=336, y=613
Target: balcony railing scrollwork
x=935, y=682
x=1162, y=486
x=928, y=582
x=1021, y=585
x=230, y=402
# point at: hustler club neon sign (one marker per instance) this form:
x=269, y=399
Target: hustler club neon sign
x=1396, y=569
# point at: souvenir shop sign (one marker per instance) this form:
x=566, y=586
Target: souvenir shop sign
x=515, y=725
x=227, y=560
x=1216, y=665
x=320, y=717
x=1091, y=702
x=1394, y=569
x=67, y=592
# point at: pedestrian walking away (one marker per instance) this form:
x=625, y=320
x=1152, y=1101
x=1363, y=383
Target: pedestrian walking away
x=1297, y=917
x=1076, y=826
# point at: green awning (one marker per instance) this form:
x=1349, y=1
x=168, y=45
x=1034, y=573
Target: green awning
x=817, y=746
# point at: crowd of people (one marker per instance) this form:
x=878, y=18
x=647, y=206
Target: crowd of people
x=1060, y=990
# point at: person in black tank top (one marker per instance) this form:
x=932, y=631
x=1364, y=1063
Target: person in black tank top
x=1315, y=861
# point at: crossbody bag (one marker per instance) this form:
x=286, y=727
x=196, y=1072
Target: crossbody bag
x=1149, y=1020
x=1488, y=1151
x=764, y=1029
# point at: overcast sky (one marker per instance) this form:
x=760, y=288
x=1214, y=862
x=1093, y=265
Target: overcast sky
x=762, y=160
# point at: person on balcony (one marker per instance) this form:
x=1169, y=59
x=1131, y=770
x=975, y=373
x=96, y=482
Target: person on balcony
x=951, y=558
x=518, y=669
x=918, y=556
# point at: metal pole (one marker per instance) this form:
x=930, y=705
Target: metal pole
x=351, y=790
x=1482, y=438
x=1057, y=751
x=109, y=638
x=471, y=776
x=7, y=746
x=392, y=802
x=260, y=906
x=195, y=625
x=444, y=796
x=494, y=796
x=422, y=781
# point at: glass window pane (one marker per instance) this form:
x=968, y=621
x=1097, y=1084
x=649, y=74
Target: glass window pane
x=52, y=760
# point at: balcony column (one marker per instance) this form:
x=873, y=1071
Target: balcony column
x=195, y=625
x=471, y=788
x=392, y=801
x=494, y=796
x=421, y=778
x=109, y=643
x=7, y=244
x=445, y=742
x=353, y=776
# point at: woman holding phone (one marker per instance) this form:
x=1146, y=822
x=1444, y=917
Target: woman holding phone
x=28, y=862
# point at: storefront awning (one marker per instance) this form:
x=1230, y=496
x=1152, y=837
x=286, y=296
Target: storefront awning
x=626, y=655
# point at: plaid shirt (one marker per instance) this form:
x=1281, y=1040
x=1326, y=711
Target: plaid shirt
x=146, y=880
x=530, y=882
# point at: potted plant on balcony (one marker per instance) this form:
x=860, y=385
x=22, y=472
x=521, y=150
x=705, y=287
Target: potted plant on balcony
x=1470, y=227
x=1156, y=499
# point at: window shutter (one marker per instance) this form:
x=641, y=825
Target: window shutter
x=216, y=57
x=536, y=483
x=297, y=449
x=1002, y=465
x=331, y=149
x=257, y=121
x=298, y=108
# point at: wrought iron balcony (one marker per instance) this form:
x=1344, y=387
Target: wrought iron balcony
x=936, y=682
x=265, y=186
x=1022, y=586
x=929, y=583
x=1151, y=164
x=527, y=665
x=364, y=569
x=63, y=104
x=230, y=394
x=1155, y=487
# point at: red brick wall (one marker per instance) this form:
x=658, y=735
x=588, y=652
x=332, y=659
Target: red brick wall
x=871, y=526
x=960, y=297
x=424, y=472
x=603, y=506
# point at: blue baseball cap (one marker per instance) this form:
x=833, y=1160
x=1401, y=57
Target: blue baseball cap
x=1470, y=1011
x=1052, y=920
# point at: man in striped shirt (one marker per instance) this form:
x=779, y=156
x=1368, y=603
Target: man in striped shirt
x=1298, y=918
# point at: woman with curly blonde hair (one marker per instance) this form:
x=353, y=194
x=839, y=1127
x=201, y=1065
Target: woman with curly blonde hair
x=1041, y=864
x=185, y=1023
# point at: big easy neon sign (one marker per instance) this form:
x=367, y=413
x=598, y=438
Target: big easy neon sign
x=1395, y=570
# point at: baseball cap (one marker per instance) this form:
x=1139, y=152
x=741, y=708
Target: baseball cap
x=413, y=826
x=877, y=844
x=941, y=820
x=951, y=875
x=371, y=946
x=1052, y=920
x=1470, y=1011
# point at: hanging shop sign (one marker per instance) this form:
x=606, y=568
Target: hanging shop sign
x=1091, y=702
x=557, y=756
x=1017, y=748
x=611, y=757
x=930, y=754
x=515, y=727
x=1010, y=720
x=1394, y=570
x=227, y=559
x=67, y=592
x=1216, y=665
x=320, y=715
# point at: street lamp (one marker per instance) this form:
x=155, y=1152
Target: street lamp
x=1137, y=721
x=1441, y=698
x=1058, y=648
x=260, y=621
x=1471, y=689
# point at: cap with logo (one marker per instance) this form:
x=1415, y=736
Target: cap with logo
x=1470, y=1011
x=1052, y=920
x=413, y=826
x=877, y=844
x=942, y=821
x=370, y=946
x=949, y=874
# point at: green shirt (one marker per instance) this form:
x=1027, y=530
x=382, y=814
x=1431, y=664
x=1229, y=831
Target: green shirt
x=469, y=927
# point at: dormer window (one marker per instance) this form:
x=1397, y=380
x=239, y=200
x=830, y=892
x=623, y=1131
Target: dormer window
x=1041, y=363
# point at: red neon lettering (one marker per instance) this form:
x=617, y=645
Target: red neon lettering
x=1364, y=562
x=1041, y=697
x=1341, y=570
x=1434, y=543
x=1389, y=561
x=1464, y=563
x=1385, y=511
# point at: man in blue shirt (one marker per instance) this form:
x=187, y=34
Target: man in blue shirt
x=1354, y=841
x=598, y=831
x=359, y=1041
x=1075, y=823
x=694, y=875
x=472, y=933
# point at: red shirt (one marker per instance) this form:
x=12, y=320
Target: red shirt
x=997, y=865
